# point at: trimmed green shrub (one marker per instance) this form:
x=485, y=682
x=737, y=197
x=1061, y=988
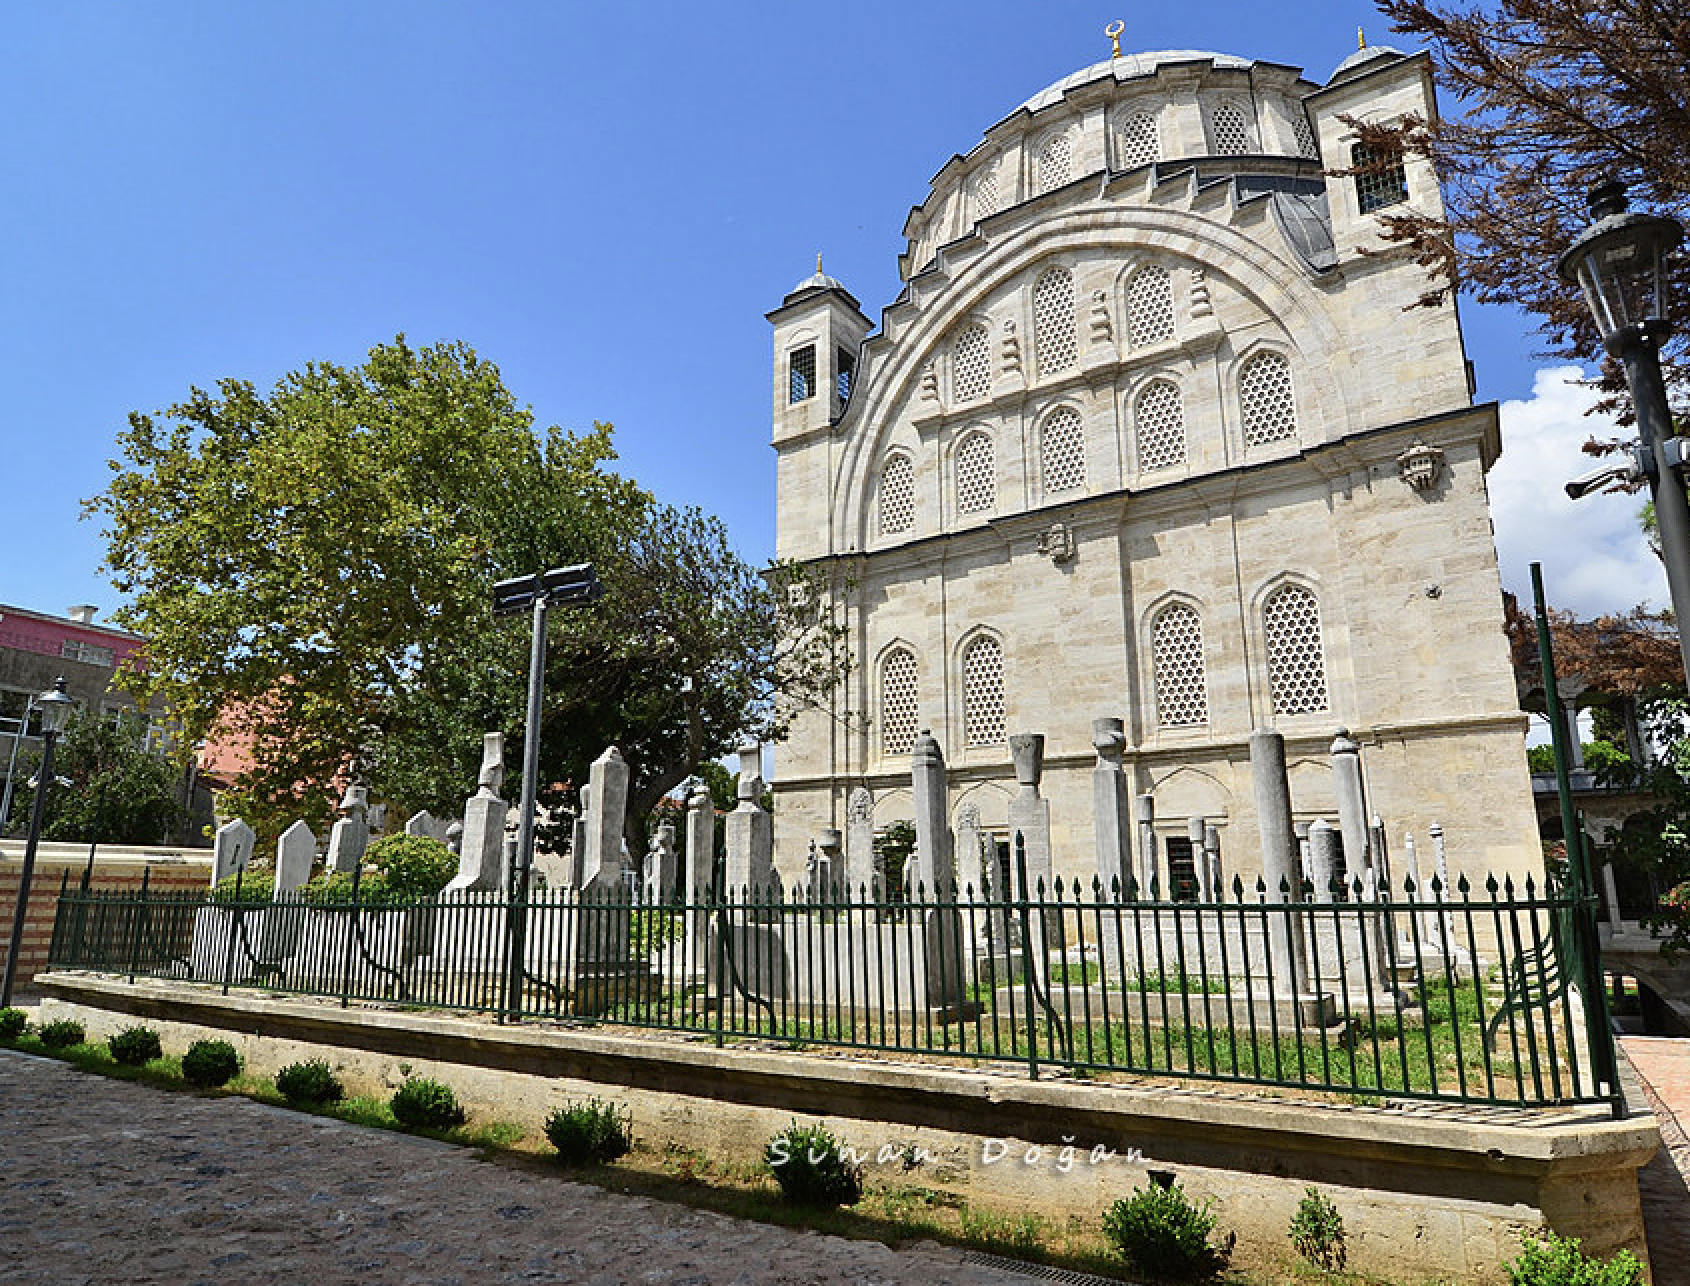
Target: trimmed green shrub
x=135, y=1046
x=210, y=1063
x=812, y=1168
x=1161, y=1231
x=594, y=1131
x=312, y=1083
x=255, y=884
x=12, y=1023
x=1317, y=1231
x=1558, y=1261
x=412, y=866
x=61, y=1034
x=422, y=1104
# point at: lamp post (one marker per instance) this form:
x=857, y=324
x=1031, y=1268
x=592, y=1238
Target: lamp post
x=55, y=709
x=1619, y=262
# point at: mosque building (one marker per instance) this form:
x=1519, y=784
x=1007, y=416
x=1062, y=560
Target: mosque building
x=1154, y=431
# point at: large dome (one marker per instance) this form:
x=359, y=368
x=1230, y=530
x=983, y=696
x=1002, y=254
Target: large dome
x=1129, y=67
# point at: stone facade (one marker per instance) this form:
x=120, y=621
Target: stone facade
x=1147, y=435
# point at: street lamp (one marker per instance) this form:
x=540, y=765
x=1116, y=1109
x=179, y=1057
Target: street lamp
x=1619, y=262
x=55, y=708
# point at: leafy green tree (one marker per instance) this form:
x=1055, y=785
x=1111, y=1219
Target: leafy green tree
x=120, y=792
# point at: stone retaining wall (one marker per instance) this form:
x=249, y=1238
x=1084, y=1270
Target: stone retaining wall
x=1424, y=1192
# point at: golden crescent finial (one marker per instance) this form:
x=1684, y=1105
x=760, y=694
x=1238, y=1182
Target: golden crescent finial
x=818, y=263
x=1361, y=38
x=1113, y=31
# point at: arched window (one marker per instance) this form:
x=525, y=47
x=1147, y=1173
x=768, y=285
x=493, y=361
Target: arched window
x=971, y=367
x=1062, y=451
x=899, y=682
x=1053, y=320
x=1295, y=651
x=985, y=194
x=897, y=494
x=1053, y=162
x=1136, y=142
x=1159, y=420
x=1231, y=137
x=1150, y=306
x=982, y=692
x=976, y=474
x=1176, y=649
x=1266, y=398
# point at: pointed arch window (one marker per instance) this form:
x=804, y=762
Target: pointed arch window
x=899, y=712
x=971, y=369
x=1150, y=306
x=1053, y=320
x=976, y=474
x=1159, y=422
x=1296, y=652
x=1062, y=451
x=897, y=494
x=1267, y=399
x=1054, y=161
x=1176, y=649
x=1136, y=141
x=982, y=692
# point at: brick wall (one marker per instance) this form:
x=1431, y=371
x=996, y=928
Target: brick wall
x=122, y=869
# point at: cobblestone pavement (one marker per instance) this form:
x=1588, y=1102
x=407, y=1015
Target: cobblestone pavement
x=109, y=1182
x=1662, y=1064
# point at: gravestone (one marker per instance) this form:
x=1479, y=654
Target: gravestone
x=350, y=836
x=1029, y=812
x=859, y=841
x=481, y=857
x=1149, y=883
x=1286, y=947
x=1111, y=806
x=425, y=825
x=1352, y=802
x=750, y=831
x=296, y=850
x=231, y=850
x=663, y=866
x=933, y=864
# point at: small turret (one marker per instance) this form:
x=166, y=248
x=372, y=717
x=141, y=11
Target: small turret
x=819, y=330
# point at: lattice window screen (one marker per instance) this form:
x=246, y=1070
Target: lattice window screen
x=1267, y=399
x=899, y=682
x=971, y=366
x=1231, y=135
x=1176, y=647
x=1296, y=655
x=1380, y=177
x=1053, y=321
x=1053, y=163
x=1150, y=306
x=985, y=195
x=897, y=495
x=1062, y=451
x=1306, y=144
x=976, y=475
x=1136, y=141
x=1159, y=418
x=982, y=692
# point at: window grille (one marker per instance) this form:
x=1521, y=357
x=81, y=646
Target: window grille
x=971, y=368
x=898, y=707
x=1306, y=145
x=897, y=494
x=801, y=374
x=1062, y=451
x=1150, y=306
x=1296, y=657
x=1159, y=418
x=1231, y=135
x=1053, y=163
x=976, y=475
x=847, y=373
x=1176, y=649
x=1053, y=321
x=1265, y=395
x=985, y=195
x=1379, y=175
x=982, y=692
x=1136, y=141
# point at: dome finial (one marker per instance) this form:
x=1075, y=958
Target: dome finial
x=1113, y=31
x=1361, y=38
x=818, y=263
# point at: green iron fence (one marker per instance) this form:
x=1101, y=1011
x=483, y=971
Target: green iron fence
x=1467, y=994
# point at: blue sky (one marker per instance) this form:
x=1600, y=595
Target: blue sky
x=602, y=200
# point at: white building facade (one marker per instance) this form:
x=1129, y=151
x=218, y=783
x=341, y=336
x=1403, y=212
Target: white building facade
x=1153, y=432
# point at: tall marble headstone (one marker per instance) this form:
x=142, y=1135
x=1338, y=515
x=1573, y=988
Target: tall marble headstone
x=1029, y=812
x=601, y=865
x=933, y=864
x=231, y=850
x=481, y=854
x=295, y=851
x=351, y=834
x=663, y=866
x=1111, y=805
x=1352, y=802
x=859, y=841
x=1280, y=860
x=750, y=830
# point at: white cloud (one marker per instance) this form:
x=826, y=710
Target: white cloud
x=1594, y=557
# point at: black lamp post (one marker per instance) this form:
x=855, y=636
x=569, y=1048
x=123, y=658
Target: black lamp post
x=1619, y=262
x=55, y=709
